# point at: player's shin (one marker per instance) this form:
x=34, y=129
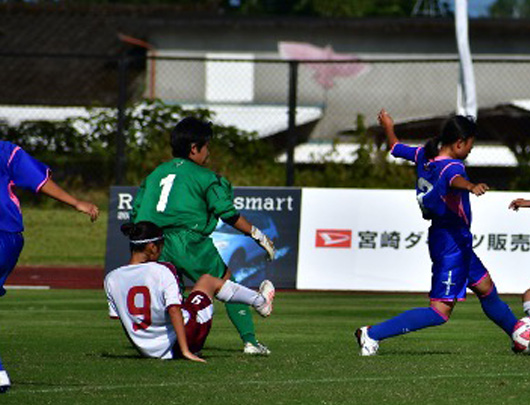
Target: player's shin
x=498, y=311
x=409, y=321
x=241, y=317
x=233, y=292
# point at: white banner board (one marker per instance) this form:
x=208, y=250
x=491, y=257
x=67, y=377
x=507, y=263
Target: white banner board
x=376, y=240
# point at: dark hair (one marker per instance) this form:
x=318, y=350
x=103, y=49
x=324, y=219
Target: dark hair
x=455, y=128
x=188, y=131
x=142, y=233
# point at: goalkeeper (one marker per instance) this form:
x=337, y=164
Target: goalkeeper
x=186, y=200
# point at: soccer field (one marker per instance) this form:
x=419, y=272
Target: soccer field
x=61, y=348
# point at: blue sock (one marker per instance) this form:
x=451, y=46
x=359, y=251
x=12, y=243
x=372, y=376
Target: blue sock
x=1, y=365
x=498, y=311
x=409, y=321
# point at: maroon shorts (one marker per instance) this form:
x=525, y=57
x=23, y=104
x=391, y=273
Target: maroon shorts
x=198, y=312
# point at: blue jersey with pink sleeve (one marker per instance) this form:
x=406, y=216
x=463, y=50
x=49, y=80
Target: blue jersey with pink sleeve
x=444, y=205
x=17, y=169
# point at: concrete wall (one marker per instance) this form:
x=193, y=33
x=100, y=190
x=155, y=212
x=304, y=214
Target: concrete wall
x=409, y=89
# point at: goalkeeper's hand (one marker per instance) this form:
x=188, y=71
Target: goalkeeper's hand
x=264, y=241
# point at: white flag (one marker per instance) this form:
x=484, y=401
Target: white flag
x=466, y=102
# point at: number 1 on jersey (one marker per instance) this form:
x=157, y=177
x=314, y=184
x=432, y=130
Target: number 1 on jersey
x=166, y=183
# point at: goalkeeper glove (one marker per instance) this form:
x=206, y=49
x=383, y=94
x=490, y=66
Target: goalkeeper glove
x=264, y=241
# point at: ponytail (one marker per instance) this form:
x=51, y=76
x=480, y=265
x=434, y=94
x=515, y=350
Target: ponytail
x=432, y=148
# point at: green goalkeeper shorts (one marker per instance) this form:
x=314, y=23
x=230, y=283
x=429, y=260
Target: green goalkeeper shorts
x=193, y=254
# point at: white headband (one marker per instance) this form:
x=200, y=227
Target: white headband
x=142, y=241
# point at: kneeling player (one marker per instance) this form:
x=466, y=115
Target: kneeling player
x=145, y=296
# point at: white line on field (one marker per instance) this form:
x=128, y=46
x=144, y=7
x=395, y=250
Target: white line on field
x=27, y=287
x=93, y=388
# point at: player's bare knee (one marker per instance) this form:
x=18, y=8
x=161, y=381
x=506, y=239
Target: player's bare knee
x=484, y=287
x=208, y=284
x=443, y=308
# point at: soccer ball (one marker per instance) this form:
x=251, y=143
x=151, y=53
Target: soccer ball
x=521, y=336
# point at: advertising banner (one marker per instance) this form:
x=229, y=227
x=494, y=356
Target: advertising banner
x=276, y=211
x=376, y=240
x=120, y=205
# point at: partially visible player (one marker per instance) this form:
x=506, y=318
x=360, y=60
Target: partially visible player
x=442, y=191
x=19, y=170
x=519, y=203
x=145, y=296
x=186, y=200
x=515, y=205
x=526, y=302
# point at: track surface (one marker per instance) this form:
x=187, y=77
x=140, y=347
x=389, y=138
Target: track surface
x=58, y=277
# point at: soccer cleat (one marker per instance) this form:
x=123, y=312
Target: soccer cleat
x=368, y=345
x=267, y=290
x=5, y=384
x=257, y=349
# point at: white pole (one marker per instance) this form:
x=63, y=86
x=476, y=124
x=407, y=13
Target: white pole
x=466, y=102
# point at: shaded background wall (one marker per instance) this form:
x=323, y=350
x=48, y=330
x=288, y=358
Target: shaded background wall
x=69, y=56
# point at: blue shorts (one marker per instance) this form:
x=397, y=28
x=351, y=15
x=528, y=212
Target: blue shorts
x=454, y=264
x=11, y=244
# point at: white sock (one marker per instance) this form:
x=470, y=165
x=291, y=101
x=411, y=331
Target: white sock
x=526, y=307
x=4, y=378
x=233, y=292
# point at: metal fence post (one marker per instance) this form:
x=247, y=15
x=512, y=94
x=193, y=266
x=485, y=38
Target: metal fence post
x=291, y=131
x=120, y=128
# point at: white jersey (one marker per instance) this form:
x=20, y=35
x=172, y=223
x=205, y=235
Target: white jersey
x=140, y=294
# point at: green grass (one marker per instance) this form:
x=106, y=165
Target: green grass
x=60, y=348
x=62, y=236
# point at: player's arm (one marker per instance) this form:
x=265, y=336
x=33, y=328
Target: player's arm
x=29, y=173
x=113, y=311
x=177, y=321
x=519, y=203
x=386, y=121
x=53, y=190
x=397, y=149
x=242, y=225
x=220, y=197
x=460, y=183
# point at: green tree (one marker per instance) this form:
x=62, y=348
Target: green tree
x=329, y=8
x=510, y=8
x=148, y=127
x=358, y=8
x=370, y=167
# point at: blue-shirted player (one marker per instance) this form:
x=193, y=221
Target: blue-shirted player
x=515, y=205
x=442, y=191
x=19, y=170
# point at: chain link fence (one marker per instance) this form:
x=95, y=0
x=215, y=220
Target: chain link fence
x=314, y=103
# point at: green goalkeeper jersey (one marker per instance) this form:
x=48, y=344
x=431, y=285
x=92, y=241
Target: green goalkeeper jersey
x=180, y=194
